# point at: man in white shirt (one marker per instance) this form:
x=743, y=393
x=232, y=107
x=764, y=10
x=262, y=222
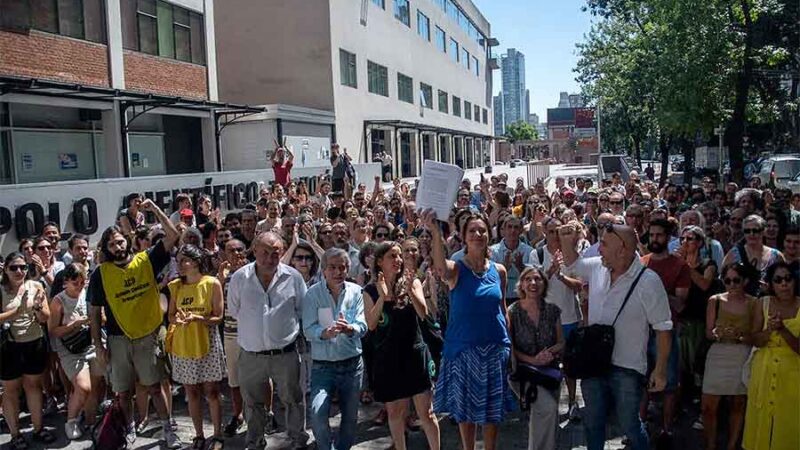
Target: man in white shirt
x=266, y=299
x=610, y=277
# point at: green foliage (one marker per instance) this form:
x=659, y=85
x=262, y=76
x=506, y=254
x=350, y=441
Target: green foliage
x=520, y=131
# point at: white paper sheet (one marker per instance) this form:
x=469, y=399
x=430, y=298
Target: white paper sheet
x=438, y=187
x=325, y=317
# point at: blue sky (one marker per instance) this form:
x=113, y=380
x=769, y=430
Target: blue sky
x=546, y=32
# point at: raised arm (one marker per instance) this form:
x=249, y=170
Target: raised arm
x=171, y=233
x=447, y=268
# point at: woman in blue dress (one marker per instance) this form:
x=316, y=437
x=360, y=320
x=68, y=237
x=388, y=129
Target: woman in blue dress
x=472, y=385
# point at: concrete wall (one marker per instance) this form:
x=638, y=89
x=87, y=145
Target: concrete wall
x=387, y=41
x=275, y=51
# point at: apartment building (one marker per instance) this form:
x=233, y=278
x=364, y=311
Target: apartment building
x=406, y=78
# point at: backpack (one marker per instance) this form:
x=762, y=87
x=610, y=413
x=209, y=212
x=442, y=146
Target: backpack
x=110, y=431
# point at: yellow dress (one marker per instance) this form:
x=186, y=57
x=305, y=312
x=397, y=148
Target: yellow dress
x=772, y=421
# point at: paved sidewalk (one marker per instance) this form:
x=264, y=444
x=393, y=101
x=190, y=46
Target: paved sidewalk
x=513, y=432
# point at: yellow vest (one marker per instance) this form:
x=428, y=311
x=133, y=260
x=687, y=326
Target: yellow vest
x=132, y=295
x=192, y=340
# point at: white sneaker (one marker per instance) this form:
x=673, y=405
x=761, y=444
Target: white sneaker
x=130, y=435
x=172, y=440
x=574, y=412
x=73, y=429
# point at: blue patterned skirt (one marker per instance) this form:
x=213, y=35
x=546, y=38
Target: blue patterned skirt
x=473, y=387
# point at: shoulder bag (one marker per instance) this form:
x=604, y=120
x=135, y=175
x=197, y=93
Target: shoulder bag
x=589, y=349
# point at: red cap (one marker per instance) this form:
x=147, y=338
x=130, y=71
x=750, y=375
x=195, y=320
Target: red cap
x=568, y=192
x=186, y=212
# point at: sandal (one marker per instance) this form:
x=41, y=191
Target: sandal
x=142, y=427
x=44, y=436
x=199, y=443
x=18, y=443
x=216, y=443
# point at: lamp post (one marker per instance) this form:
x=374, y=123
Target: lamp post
x=719, y=131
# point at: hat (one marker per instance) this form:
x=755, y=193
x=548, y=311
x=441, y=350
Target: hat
x=186, y=212
x=568, y=192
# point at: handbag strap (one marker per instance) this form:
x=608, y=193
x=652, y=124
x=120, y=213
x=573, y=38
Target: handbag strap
x=630, y=291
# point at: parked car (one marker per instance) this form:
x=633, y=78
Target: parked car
x=785, y=168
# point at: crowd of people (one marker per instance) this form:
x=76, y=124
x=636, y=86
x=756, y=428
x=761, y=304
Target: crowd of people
x=350, y=295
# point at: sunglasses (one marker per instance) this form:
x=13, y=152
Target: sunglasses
x=381, y=235
x=609, y=228
x=325, y=232
x=18, y=268
x=735, y=280
x=781, y=280
x=753, y=230
x=303, y=257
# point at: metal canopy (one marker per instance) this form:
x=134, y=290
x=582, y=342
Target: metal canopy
x=47, y=88
x=424, y=127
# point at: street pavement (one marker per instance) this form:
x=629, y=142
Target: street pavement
x=513, y=432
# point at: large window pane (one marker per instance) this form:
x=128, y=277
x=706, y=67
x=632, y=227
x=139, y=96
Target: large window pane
x=198, y=38
x=423, y=26
x=166, y=39
x=70, y=18
x=402, y=12
x=405, y=88
x=456, y=106
x=467, y=110
x=377, y=79
x=441, y=40
x=465, y=58
x=44, y=15
x=347, y=68
x=148, y=28
x=183, y=43
x=426, y=91
x=94, y=20
x=130, y=25
x=453, y=50
x=443, y=105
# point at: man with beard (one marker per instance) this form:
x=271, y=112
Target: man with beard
x=612, y=277
x=671, y=198
x=125, y=287
x=676, y=277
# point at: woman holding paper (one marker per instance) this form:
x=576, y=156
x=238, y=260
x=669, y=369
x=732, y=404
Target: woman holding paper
x=401, y=365
x=472, y=384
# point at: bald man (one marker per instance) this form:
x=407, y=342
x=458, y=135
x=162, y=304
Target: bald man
x=265, y=297
x=610, y=277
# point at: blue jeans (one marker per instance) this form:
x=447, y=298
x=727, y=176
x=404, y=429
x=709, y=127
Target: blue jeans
x=343, y=377
x=622, y=388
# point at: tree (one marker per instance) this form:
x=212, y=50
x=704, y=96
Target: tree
x=520, y=131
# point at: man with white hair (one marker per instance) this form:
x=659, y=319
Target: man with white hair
x=334, y=322
x=265, y=297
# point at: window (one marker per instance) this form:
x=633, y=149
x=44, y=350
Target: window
x=441, y=40
x=465, y=58
x=402, y=12
x=405, y=88
x=467, y=110
x=443, y=106
x=451, y=10
x=377, y=79
x=440, y=4
x=426, y=92
x=485, y=116
x=454, y=50
x=79, y=19
x=347, y=68
x=477, y=113
x=456, y=106
x=380, y=3
x=476, y=67
x=165, y=30
x=423, y=26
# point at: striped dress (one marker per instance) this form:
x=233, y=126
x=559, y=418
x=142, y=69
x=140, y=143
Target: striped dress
x=472, y=384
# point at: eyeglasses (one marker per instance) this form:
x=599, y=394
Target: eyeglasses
x=18, y=268
x=752, y=230
x=735, y=280
x=689, y=239
x=781, y=280
x=303, y=257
